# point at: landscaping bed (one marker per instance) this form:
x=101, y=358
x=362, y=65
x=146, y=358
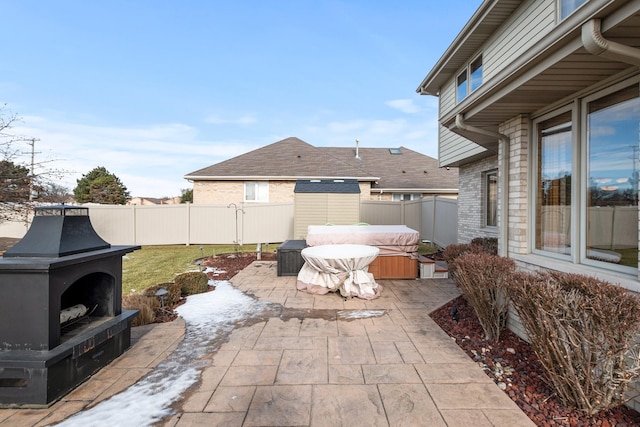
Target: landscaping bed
x=515, y=368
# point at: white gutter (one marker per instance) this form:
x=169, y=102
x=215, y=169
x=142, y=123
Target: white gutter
x=504, y=178
x=595, y=43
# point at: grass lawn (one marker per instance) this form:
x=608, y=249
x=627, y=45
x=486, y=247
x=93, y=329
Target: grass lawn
x=153, y=265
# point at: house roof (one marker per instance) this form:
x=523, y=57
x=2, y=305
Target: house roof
x=294, y=159
x=290, y=158
x=406, y=170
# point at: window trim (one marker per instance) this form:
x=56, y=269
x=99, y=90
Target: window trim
x=584, y=103
x=467, y=73
x=485, y=198
x=257, y=185
x=578, y=107
x=569, y=13
x=533, y=179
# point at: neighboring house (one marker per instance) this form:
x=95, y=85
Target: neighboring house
x=154, y=201
x=540, y=110
x=269, y=174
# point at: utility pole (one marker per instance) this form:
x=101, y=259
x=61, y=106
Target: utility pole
x=32, y=143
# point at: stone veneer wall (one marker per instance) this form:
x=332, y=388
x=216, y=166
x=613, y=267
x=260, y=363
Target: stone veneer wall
x=470, y=196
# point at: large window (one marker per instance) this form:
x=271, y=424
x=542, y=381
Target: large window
x=256, y=191
x=567, y=7
x=613, y=141
x=587, y=174
x=553, y=207
x=491, y=199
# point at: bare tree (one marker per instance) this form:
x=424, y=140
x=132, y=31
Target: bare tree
x=22, y=182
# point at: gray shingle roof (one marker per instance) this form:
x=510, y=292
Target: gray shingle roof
x=409, y=169
x=292, y=158
x=341, y=186
x=289, y=158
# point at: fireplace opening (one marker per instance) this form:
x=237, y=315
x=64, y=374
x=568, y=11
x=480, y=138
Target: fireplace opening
x=88, y=300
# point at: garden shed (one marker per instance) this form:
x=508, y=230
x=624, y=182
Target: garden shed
x=325, y=201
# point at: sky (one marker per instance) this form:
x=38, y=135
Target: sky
x=153, y=90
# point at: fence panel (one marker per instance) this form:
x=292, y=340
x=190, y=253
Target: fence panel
x=115, y=224
x=249, y=224
x=161, y=225
x=377, y=212
x=212, y=224
x=440, y=220
x=267, y=223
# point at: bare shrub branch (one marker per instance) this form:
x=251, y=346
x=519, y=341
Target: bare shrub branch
x=482, y=279
x=584, y=332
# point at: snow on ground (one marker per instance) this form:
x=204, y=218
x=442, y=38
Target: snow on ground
x=360, y=314
x=208, y=316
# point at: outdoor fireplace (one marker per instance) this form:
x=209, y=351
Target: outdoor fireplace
x=61, y=316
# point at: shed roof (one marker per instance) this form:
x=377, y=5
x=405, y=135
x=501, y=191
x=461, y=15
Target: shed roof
x=341, y=186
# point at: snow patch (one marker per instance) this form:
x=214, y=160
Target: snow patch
x=208, y=316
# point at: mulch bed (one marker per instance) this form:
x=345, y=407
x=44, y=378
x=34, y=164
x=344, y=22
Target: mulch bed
x=513, y=365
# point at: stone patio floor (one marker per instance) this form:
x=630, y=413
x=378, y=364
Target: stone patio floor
x=314, y=367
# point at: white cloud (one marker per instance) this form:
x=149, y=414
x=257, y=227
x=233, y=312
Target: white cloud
x=242, y=120
x=404, y=105
x=150, y=160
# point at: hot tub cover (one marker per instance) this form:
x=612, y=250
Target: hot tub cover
x=390, y=239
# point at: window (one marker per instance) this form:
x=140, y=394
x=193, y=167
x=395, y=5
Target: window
x=256, y=191
x=491, y=199
x=469, y=80
x=567, y=7
x=400, y=197
x=613, y=142
x=462, y=86
x=553, y=207
x=587, y=172
x=476, y=73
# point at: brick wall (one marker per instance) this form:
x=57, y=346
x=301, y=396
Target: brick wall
x=517, y=129
x=470, y=209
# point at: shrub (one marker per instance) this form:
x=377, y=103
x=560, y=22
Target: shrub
x=193, y=282
x=584, y=332
x=146, y=306
x=483, y=279
x=488, y=244
x=455, y=251
x=173, y=297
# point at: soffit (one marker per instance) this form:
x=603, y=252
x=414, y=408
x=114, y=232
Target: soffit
x=485, y=21
x=554, y=77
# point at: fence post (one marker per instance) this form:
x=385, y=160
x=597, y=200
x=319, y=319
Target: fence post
x=433, y=219
x=133, y=224
x=188, y=208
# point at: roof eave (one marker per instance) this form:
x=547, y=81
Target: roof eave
x=433, y=81
x=273, y=178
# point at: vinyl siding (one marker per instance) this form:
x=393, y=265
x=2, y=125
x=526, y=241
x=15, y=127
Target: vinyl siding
x=454, y=148
x=530, y=23
x=323, y=208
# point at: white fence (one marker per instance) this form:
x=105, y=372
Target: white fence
x=249, y=223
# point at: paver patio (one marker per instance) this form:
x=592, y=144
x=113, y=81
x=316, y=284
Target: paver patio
x=311, y=366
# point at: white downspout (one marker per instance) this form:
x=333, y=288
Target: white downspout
x=595, y=43
x=504, y=179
